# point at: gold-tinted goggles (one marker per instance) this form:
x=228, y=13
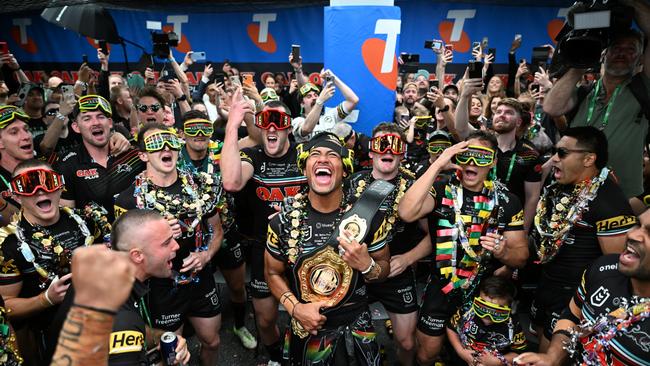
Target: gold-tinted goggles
x=480, y=155
x=497, y=313
x=89, y=103
x=438, y=146
x=194, y=127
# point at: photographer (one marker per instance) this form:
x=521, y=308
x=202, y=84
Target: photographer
x=611, y=105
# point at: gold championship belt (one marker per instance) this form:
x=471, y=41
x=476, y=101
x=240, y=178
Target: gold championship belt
x=323, y=275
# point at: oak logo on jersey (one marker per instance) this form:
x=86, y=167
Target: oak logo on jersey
x=126, y=341
x=87, y=173
x=276, y=194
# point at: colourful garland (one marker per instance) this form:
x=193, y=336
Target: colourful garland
x=554, y=230
x=447, y=251
x=45, y=239
x=9, y=355
x=596, y=335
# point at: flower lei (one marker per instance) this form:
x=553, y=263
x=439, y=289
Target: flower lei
x=596, y=335
x=397, y=195
x=195, y=200
x=9, y=354
x=294, y=226
x=447, y=251
x=467, y=323
x=45, y=239
x=554, y=231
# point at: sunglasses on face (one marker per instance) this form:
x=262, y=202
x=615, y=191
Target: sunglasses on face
x=563, y=152
x=90, y=103
x=154, y=107
x=480, y=155
x=157, y=141
x=436, y=147
x=389, y=142
x=51, y=112
x=9, y=113
x=496, y=313
x=266, y=119
x=194, y=127
x=29, y=182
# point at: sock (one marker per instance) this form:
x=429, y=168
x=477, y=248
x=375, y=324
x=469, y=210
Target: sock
x=239, y=311
x=275, y=351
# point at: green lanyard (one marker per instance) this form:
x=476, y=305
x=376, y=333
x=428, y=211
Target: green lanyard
x=145, y=314
x=592, y=104
x=5, y=182
x=512, y=164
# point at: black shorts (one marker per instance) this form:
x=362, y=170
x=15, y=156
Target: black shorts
x=259, y=287
x=548, y=305
x=437, y=308
x=397, y=294
x=231, y=254
x=170, y=305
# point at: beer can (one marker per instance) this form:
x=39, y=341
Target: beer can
x=168, y=343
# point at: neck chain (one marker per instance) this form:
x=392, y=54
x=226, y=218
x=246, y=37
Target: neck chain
x=553, y=225
x=450, y=234
x=45, y=240
x=596, y=335
x=293, y=219
x=464, y=328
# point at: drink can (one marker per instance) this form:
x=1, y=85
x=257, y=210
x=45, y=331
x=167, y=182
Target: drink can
x=168, y=343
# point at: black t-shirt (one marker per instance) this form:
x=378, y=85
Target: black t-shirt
x=497, y=336
x=63, y=146
x=361, y=149
x=273, y=180
x=15, y=268
x=609, y=213
x=86, y=181
x=441, y=227
x=403, y=236
x=320, y=226
x=604, y=290
x=37, y=127
x=126, y=345
x=526, y=167
x=5, y=186
x=189, y=241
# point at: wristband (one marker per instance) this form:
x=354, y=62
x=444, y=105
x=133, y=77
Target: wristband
x=181, y=98
x=319, y=102
x=92, y=308
x=372, y=264
x=47, y=298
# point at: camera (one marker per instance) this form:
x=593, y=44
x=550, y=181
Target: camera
x=590, y=27
x=162, y=43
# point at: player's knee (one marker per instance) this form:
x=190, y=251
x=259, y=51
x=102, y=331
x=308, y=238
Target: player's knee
x=211, y=343
x=406, y=343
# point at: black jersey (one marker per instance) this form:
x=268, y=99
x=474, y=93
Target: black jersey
x=127, y=343
x=604, y=290
x=273, y=180
x=443, y=229
x=517, y=166
x=190, y=240
x=319, y=227
x=5, y=189
x=66, y=236
x=86, y=181
x=505, y=337
x=609, y=213
x=402, y=236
